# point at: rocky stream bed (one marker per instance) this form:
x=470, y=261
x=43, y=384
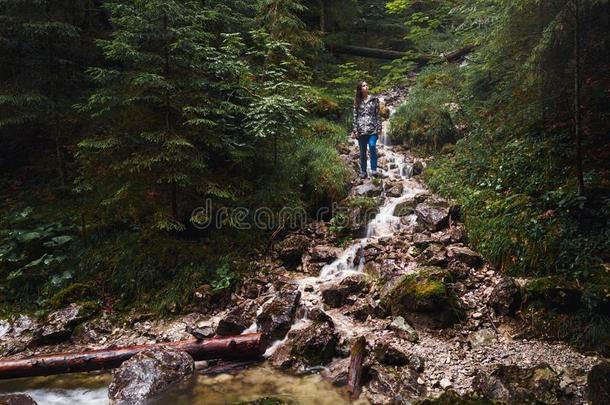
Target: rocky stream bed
x=436, y=317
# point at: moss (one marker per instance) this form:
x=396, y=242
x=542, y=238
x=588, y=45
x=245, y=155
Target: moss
x=422, y=291
x=267, y=401
x=72, y=293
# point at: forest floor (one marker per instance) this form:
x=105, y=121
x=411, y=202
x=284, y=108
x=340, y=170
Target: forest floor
x=448, y=329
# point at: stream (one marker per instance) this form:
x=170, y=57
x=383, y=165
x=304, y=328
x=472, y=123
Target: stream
x=447, y=358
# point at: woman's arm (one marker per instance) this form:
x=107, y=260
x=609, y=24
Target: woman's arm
x=378, y=118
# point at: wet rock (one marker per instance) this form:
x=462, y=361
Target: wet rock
x=277, y=315
x=598, y=384
x=394, y=189
x=404, y=208
x=147, y=374
x=505, y=297
x=361, y=310
x=481, y=338
x=337, y=372
x=434, y=214
x=390, y=385
x=60, y=324
x=326, y=254
x=418, y=167
x=368, y=189
x=391, y=354
x=16, y=399
x=407, y=331
x=19, y=335
x=318, y=315
x=512, y=384
x=434, y=255
x=464, y=255
x=315, y=345
x=237, y=319
x=203, y=332
x=335, y=294
x=291, y=250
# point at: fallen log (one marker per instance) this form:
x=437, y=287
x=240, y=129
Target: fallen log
x=354, y=374
x=243, y=347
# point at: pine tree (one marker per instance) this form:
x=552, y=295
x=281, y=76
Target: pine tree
x=43, y=48
x=168, y=109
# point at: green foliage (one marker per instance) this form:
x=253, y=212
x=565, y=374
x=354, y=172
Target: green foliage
x=429, y=117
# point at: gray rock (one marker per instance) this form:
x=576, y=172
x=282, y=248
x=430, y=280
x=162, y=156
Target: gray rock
x=481, y=338
x=60, y=324
x=335, y=294
x=277, y=315
x=368, y=189
x=391, y=354
x=400, y=325
x=434, y=255
x=505, y=297
x=422, y=240
x=395, y=189
x=512, y=384
x=17, y=399
x=464, y=255
x=237, y=319
x=326, y=254
x=337, y=372
x=433, y=214
x=147, y=374
x=204, y=332
x=291, y=250
x=404, y=208
x=390, y=385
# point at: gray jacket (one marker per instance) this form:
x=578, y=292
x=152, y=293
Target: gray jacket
x=367, y=118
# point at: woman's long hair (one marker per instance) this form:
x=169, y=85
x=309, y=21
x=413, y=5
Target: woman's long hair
x=358, y=98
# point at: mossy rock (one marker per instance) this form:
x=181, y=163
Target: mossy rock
x=554, y=293
x=72, y=293
x=420, y=292
x=425, y=291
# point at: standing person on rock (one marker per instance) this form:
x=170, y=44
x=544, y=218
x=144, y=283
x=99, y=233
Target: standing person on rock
x=366, y=126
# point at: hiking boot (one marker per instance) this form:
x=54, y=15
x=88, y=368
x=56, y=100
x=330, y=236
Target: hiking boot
x=375, y=173
x=363, y=175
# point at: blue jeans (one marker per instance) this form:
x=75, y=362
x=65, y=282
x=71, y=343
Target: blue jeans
x=371, y=141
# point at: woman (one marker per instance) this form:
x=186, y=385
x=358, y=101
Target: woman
x=367, y=126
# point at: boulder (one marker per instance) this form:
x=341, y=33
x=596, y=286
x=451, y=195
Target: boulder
x=19, y=335
x=418, y=167
x=60, y=324
x=434, y=214
x=147, y=374
x=390, y=385
x=505, y=297
x=464, y=255
x=434, y=255
x=598, y=384
x=325, y=254
x=404, y=208
x=277, y=315
x=555, y=294
x=513, y=384
x=481, y=338
x=335, y=294
x=394, y=189
x=391, y=354
x=424, y=292
x=368, y=189
x=337, y=372
x=318, y=315
x=16, y=399
x=400, y=325
x=237, y=319
x=422, y=240
x=291, y=250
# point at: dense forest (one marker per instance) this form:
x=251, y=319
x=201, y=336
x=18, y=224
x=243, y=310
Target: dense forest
x=120, y=119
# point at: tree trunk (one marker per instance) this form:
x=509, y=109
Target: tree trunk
x=242, y=347
x=322, y=15
x=577, y=114
x=354, y=374
x=385, y=54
